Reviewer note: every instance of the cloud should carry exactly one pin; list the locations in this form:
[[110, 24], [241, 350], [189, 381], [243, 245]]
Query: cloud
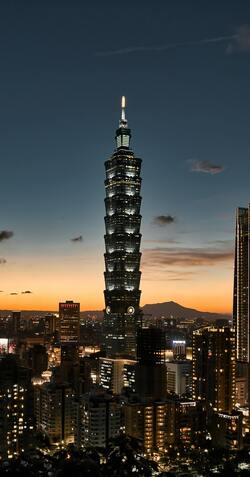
[[5, 235], [168, 240], [14, 293], [1, 291], [163, 220], [2, 261], [26, 292], [205, 166], [77, 239], [185, 257], [241, 41], [169, 46]]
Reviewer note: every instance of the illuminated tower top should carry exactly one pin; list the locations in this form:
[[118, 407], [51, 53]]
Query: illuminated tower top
[[123, 133]]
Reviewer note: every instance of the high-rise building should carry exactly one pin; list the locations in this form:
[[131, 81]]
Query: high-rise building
[[51, 323], [162, 423], [16, 322], [69, 330], [16, 406], [179, 377], [99, 419], [116, 374], [241, 305], [55, 411], [69, 322], [150, 370], [122, 244], [214, 368]]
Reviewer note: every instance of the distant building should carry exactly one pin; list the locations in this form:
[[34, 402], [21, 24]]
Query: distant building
[[16, 322], [213, 370], [115, 374], [179, 348], [37, 359], [179, 377], [51, 322], [69, 322]]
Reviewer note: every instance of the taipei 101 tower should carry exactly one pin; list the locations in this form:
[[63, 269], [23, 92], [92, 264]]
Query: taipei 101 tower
[[122, 244]]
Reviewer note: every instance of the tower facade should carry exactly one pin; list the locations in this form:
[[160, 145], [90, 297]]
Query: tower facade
[[214, 368], [122, 245], [241, 312]]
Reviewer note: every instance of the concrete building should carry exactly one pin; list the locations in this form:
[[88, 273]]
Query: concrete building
[[115, 374], [179, 377], [16, 406], [55, 411], [213, 370], [99, 419]]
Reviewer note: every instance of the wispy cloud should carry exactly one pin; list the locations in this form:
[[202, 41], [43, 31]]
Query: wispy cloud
[[167, 240], [3, 261], [163, 220], [241, 41], [205, 166], [77, 239], [185, 257], [26, 292], [170, 46], [5, 235]]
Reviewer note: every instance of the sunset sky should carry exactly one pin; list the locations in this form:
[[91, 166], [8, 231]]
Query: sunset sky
[[185, 70]]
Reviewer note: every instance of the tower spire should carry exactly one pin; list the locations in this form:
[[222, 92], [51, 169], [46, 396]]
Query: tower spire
[[123, 133], [123, 118], [123, 121]]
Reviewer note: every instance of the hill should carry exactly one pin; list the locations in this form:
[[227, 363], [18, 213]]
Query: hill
[[170, 308]]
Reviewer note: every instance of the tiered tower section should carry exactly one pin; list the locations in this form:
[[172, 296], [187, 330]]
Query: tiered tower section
[[122, 242]]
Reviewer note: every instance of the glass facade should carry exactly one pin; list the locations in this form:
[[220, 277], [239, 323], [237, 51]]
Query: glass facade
[[122, 245]]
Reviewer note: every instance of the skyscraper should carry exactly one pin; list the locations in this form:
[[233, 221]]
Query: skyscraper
[[122, 243], [69, 319], [16, 406], [214, 368], [150, 370], [241, 312]]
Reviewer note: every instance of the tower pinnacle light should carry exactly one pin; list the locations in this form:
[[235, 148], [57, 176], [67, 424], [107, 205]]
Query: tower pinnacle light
[[123, 117]]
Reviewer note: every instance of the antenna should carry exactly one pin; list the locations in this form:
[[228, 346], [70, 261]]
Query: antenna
[[123, 117]]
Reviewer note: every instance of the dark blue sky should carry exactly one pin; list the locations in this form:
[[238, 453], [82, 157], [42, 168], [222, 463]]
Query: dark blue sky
[[188, 107]]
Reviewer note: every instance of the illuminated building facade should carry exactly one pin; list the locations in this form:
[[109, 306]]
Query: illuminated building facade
[[122, 245], [214, 366], [116, 374], [162, 423], [226, 430], [16, 406], [147, 423], [69, 322], [55, 411], [179, 377], [241, 312], [99, 419], [69, 326]]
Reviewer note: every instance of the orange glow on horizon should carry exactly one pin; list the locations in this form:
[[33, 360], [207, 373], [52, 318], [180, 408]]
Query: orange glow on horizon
[[55, 280]]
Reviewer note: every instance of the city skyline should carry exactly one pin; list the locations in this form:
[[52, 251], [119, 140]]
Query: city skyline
[[187, 92]]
